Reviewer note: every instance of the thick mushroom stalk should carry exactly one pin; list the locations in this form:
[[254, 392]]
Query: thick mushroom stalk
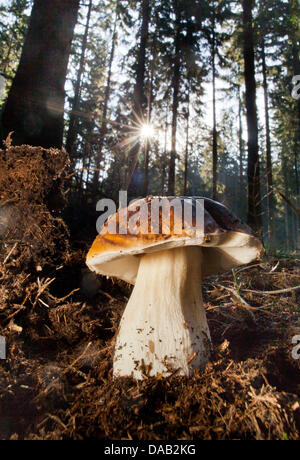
[[164, 328]]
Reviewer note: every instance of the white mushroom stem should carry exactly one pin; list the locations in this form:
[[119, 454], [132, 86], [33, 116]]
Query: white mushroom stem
[[164, 327]]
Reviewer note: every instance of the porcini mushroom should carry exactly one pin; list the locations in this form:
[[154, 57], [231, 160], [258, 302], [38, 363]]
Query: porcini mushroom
[[164, 328]]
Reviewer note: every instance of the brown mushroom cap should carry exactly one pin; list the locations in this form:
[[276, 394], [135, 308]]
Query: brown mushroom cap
[[226, 241]]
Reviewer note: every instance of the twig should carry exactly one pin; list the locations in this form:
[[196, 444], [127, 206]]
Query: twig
[[42, 288], [10, 253], [112, 299], [281, 291], [274, 268], [19, 309], [44, 303], [15, 313], [244, 304], [218, 306], [226, 329], [77, 359], [237, 295], [57, 420], [248, 268], [192, 358], [62, 299]]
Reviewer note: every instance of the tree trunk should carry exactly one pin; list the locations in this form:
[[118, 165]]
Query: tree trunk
[[35, 106], [164, 156], [294, 41], [254, 193], [186, 158], [271, 198], [297, 190], [103, 128], [288, 229], [176, 85], [75, 112], [149, 114], [138, 96], [163, 177], [296, 71], [215, 134], [241, 146], [293, 32]]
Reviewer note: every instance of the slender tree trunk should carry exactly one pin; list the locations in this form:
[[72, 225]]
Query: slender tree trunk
[[35, 106], [146, 168], [241, 145], [215, 134], [297, 191], [176, 85], [75, 112], [254, 193], [103, 128], [297, 182], [163, 177], [295, 230], [139, 97], [294, 41], [149, 114], [164, 156], [186, 158], [296, 71], [271, 198], [287, 209], [287, 228]]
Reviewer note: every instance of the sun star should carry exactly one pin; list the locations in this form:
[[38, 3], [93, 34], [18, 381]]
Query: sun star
[[147, 131]]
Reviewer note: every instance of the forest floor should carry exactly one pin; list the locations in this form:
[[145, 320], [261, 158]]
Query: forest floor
[[60, 321]]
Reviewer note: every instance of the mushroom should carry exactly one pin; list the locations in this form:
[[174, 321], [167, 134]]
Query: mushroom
[[164, 329]]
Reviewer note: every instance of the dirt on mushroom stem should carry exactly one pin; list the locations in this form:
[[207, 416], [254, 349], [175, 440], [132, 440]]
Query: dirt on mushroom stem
[[56, 382]]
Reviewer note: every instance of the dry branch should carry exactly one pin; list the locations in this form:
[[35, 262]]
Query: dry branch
[[280, 291]]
